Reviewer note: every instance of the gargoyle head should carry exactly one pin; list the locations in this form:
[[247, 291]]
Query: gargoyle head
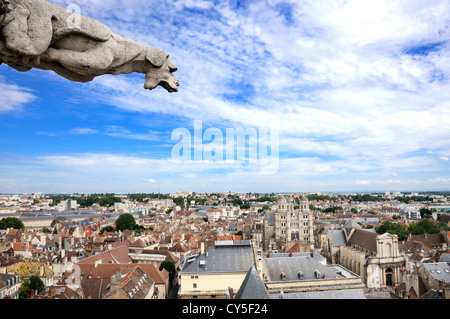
[[161, 72], [9, 11], [3, 5]]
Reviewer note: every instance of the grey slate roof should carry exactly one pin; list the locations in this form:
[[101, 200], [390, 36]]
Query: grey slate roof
[[439, 271], [252, 287], [351, 224], [445, 258], [226, 256], [327, 294], [337, 238], [290, 267], [432, 294], [318, 257]]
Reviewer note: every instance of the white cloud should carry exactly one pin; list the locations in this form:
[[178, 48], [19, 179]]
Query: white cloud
[[14, 97], [123, 173], [439, 180], [83, 131]]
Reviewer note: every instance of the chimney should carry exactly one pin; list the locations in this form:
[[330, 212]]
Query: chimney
[[230, 291]]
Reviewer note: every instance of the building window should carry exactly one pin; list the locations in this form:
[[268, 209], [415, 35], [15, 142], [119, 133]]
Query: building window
[[194, 286]]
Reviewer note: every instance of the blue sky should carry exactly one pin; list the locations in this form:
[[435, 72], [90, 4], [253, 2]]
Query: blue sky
[[359, 91]]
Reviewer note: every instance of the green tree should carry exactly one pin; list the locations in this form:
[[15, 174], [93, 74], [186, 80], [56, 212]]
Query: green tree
[[125, 222], [139, 229], [333, 209], [107, 229], [170, 267], [398, 229], [426, 226], [264, 208], [425, 212], [25, 290], [354, 211], [54, 222], [11, 222], [34, 283]]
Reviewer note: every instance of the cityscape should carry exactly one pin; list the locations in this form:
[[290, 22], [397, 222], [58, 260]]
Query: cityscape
[[227, 156], [188, 245]]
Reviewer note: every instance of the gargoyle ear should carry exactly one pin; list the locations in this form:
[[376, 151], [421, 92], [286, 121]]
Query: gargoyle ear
[[156, 57]]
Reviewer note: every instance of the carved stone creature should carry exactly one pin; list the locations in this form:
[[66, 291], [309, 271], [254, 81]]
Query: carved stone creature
[[35, 34]]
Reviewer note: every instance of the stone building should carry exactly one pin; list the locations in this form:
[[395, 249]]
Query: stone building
[[288, 226], [376, 258], [217, 269]]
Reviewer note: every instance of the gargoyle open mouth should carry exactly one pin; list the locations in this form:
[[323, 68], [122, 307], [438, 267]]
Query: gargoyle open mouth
[[170, 88]]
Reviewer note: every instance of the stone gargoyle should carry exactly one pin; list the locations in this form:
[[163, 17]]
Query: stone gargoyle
[[35, 34]]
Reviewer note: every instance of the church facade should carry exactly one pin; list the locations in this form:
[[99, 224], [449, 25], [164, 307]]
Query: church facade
[[287, 226]]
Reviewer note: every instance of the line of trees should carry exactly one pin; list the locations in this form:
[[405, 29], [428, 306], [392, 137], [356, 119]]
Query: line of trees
[[106, 200], [424, 226]]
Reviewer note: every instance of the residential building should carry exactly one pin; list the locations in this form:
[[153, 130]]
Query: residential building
[[435, 275], [303, 272], [221, 266], [9, 286], [136, 284]]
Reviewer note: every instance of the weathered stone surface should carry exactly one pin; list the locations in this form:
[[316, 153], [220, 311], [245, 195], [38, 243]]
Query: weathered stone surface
[[38, 34]]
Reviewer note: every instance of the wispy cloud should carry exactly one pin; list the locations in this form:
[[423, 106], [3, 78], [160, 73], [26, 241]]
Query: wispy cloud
[[14, 97], [118, 131], [83, 131]]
